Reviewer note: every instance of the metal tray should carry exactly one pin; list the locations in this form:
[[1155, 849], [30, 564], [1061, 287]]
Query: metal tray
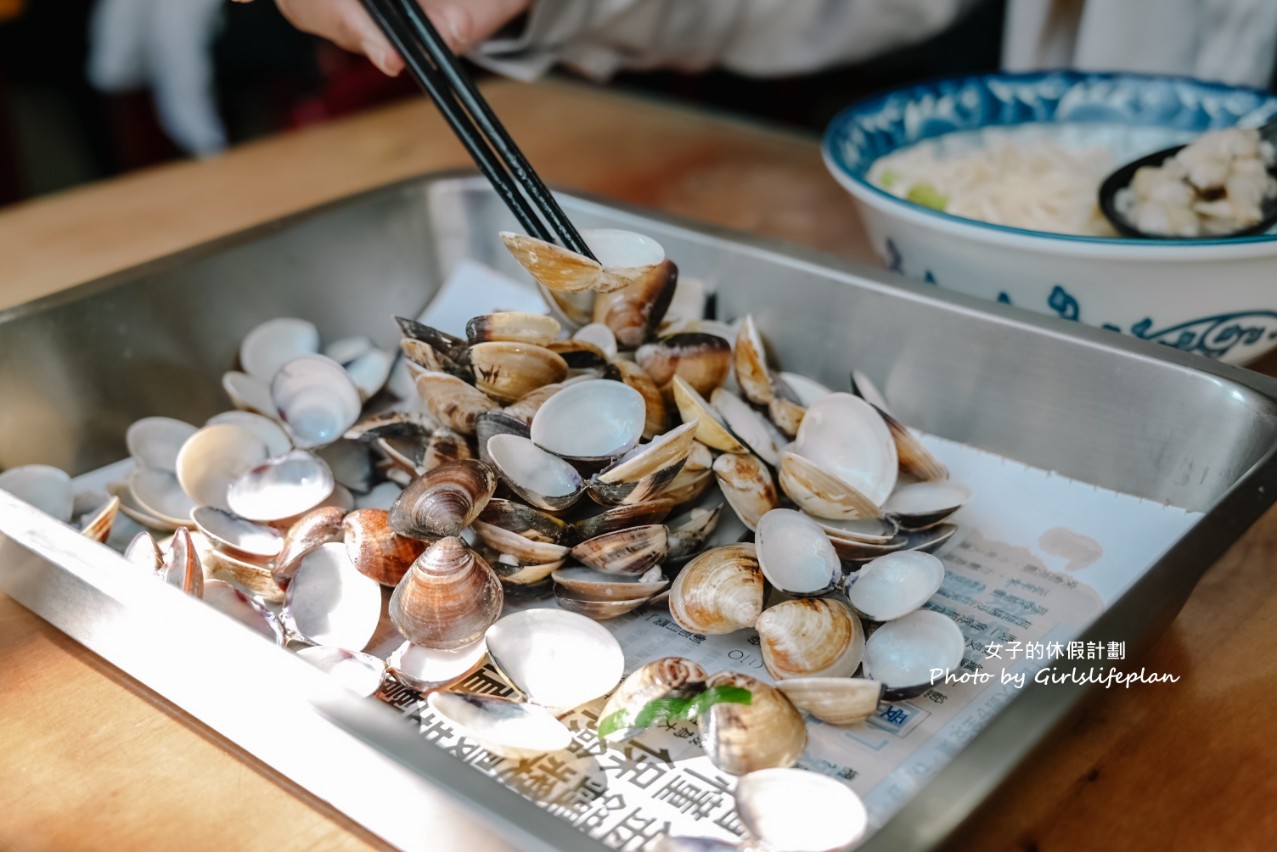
[[78, 367]]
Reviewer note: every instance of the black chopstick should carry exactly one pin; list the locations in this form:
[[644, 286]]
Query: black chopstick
[[438, 71]]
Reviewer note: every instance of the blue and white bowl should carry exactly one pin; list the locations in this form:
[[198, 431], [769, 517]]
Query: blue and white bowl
[[1217, 298]]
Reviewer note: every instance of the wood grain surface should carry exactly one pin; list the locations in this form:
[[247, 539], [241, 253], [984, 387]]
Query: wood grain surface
[[91, 760]]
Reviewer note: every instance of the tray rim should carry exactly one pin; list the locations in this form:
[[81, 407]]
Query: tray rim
[[956, 794]]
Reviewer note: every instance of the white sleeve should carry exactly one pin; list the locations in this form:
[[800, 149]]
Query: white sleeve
[[754, 37]]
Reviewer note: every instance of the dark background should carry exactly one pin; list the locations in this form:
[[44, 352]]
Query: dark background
[[56, 131]]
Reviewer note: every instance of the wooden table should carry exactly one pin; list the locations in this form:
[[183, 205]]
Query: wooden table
[[91, 760]]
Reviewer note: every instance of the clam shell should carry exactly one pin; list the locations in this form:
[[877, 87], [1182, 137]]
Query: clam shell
[[228, 531], [248, 393], [657, 414], [915, 459], [801, 389], [810, 637], [863, 387], [212, 459], [686, 308], [155, 441], [748, 426], [528, 405], [348, 349], [351, 464], [375, 549], [444, 446], [423, 355], [316, 399], [923, 505], [269, 431], [795, 553], [587, 584], [135, 511], [43, 486], [590, 420], [330, 603], [720, 591], [557, 659], [688, 536], [627, 551], [895, 584], [869, 530], [369, 372], [595, 610], [747, 484], [836, 700], [448, 598], [144, 552], [524, 520], [444, 501], [634, 312], [391, 424], [492, 423], [228, 600], [503, 727], [929, 540], [914, 651], [786, 415], [526, 551], [454, 402], [272, 344], [513, 326], [429, 668], [623, 258], [819, 492], [181, 566], [847, 437], [710, 429], [668, 677], [621, 517], [506, 371], [539, 477], [282, 487], [750, 360], [644, 472], [317, 527], [800, 811], [852, 550], [160, 496], [524, 577], [702, 360], [448, 345], [767, 733], [599, 336], [361, 673], [98, 525], [581, 355]]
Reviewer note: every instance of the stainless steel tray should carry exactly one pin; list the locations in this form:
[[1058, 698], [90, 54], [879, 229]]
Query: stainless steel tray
[[77, 368]]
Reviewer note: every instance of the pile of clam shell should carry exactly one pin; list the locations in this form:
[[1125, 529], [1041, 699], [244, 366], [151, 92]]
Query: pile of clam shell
[[544, 456]]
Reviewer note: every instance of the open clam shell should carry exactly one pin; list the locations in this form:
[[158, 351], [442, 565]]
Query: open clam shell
[[361, 673], [155, 441], [272, 344], [316, 399], [895, 584], [645, 471], [43, 486], [929, 540], [819, 492], [689, 532], [513, 326], [213, 458], [800, 811], [249, 393], [531, 578], [854, 550], [375, 549], [525, 551], [526, 521], [181, 565], [636, 377], [444, 501], [668, 677], [506, 370], [710, 429], [624, 257], [448, 345], [344, 350], [528, 405], [587, 584], [766, 733], [795, 554], [282, 487], [394, 423], [848, 438], [452, 401], [700, 359], [430, 668], [557, 659], [591, 420], [505, 728], [748, 426], [539, 477], [750, 360], [595, 609], [308, 533], [621, 517], [98, 524], [369, 372], [914, 652], [747, 484], [922, 505], [269, 431], [627, 551], [836, 700], [810, 637], [493, 423], [160, 496], [720, 591], [864, 387], [144, 552], [599, 336], [329, 602], [241, 536], [915, 459], [448, 598], [225, 598], [634, 312]]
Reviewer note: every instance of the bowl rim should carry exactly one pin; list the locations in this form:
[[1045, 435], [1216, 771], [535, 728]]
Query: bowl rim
[[863, 190]]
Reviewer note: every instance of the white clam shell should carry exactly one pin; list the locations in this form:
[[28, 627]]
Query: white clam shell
[[213, 458], [847, 437], [895, 584], [370, 371], [927, 501], [159, 495], [282, 487], [274, 343], [600, 335], [155, 441], [431, 668], [557, 659], [794, 553], [800, 811], [504, 727], [591, 420], [316, 399], [330, 603], [808, 391], [542, 478], [359, 672], [248, 393], [619, 249], [135, 511], [915, 649], [347, 349], [43, 486], [272, 434], [228, 600], [228, 530], [752, 428]]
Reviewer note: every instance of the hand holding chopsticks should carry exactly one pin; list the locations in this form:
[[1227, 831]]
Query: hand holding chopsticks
[[438, 71]]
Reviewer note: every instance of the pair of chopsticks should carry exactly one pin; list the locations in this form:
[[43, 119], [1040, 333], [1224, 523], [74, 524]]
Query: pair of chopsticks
[[438, 71]]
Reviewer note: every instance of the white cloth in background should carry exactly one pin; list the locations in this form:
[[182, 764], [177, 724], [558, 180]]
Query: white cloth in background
[[164, 45]]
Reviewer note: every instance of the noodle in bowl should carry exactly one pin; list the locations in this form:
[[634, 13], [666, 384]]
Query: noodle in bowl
[[1014, 161]]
